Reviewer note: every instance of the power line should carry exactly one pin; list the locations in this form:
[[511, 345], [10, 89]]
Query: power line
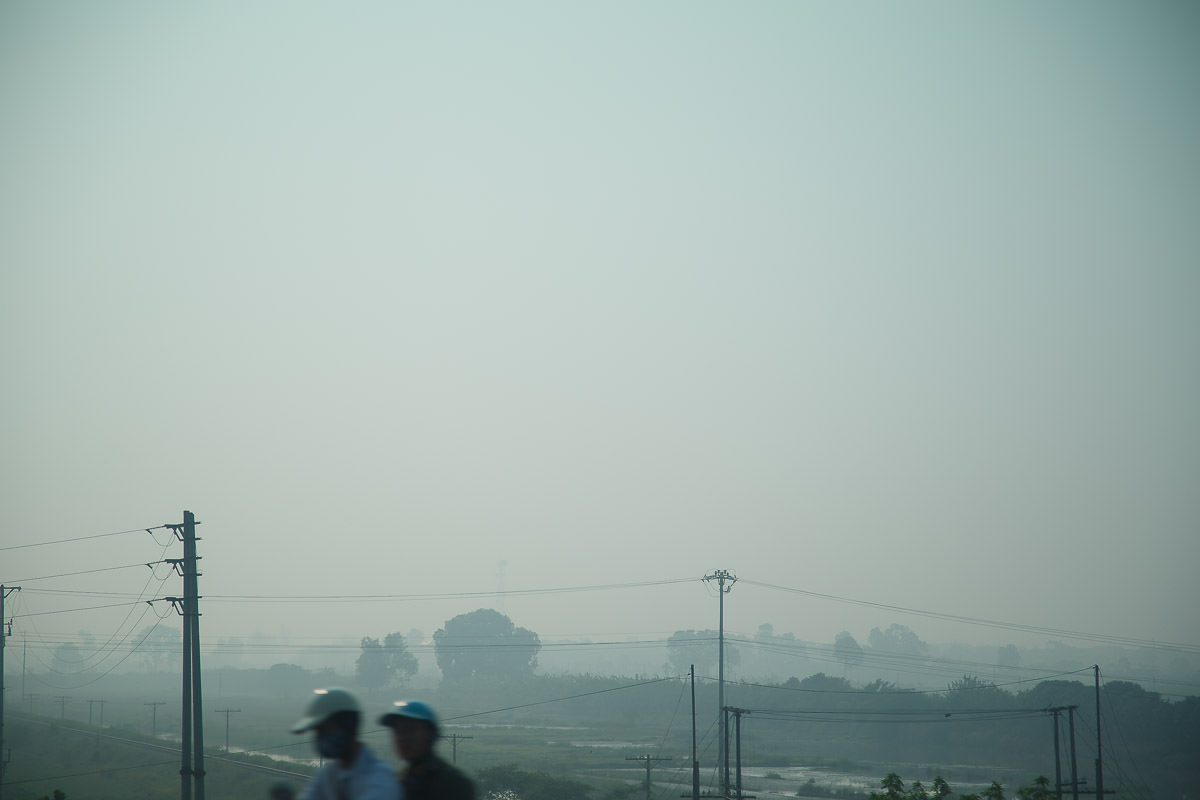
[[893, 712], [1099, 637], [90, 571], [897, 691], [324, 598], [559, 699], [83, 538], [939, 719], [103, 651], [108, 671], [70, 610]]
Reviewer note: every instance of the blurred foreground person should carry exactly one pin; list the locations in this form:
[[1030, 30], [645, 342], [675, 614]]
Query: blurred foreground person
[[351, 771], [427, 776]]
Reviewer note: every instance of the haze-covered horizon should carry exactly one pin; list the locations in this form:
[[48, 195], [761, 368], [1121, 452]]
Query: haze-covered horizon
[[897, 304]]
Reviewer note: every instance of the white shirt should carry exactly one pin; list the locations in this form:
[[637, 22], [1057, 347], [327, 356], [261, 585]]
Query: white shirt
[[368, 778]]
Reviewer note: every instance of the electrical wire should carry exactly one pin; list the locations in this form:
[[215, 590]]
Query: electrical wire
[[83, 538], [943, 720], [61, 656], [71, 610], [100, 652], [895, 712], [110, 669], [902, 692], [682, 691], [1066, 633], [326, 598], [893, 662], [83, 572], [561, 699]]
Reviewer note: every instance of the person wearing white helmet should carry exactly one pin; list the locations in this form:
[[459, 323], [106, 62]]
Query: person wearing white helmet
[[352, 771], [415, 728]]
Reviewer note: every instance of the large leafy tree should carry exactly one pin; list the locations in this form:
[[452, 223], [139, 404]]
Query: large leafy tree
[[382, 664], [485, 644], [897, 639], [972, 688]]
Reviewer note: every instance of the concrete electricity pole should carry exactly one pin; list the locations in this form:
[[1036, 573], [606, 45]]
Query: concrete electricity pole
[[737, 716], [1099, 750], [722, 577], [191, 768], [1071, 733], [1054, 714], [695, 761], [5, 632]]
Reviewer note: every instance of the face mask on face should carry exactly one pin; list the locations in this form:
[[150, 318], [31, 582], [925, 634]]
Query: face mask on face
[[334, 744]]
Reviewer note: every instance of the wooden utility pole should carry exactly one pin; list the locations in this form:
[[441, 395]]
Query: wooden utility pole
[[649, 762]]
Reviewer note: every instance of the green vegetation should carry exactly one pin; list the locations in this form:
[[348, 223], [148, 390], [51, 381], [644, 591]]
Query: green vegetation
[[384, 664], [485, 644], [893, 789], [54, 760], [580, 728], [569, 735]]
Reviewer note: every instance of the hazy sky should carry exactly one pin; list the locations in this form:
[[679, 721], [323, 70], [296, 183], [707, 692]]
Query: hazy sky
[[893, 301]]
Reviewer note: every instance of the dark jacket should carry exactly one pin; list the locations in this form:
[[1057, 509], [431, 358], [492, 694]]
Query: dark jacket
[[432, 778]]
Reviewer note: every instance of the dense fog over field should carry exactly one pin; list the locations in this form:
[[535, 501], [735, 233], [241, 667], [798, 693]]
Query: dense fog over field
[[891, 310]]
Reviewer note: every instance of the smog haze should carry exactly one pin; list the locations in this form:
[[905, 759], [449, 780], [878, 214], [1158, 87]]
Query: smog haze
[[487, 306]]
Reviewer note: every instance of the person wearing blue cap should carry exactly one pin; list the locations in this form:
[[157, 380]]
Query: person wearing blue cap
[[426, 776], [351, 771]]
